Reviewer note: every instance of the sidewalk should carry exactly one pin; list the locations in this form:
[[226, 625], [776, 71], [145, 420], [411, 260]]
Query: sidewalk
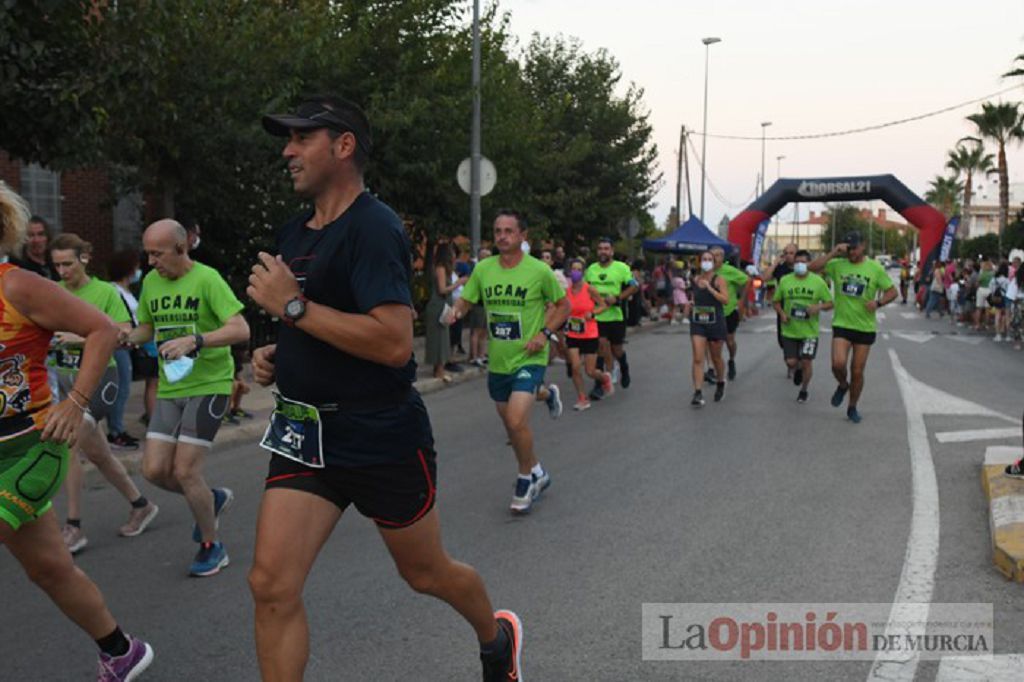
[[260, 401]]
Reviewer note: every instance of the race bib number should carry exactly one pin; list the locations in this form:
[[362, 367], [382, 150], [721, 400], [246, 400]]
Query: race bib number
[[505, 326], [576, 325], [295, 432], [809, 347], [164, 334], [67, 358], [703, 314], [799, 312], [852, 287]]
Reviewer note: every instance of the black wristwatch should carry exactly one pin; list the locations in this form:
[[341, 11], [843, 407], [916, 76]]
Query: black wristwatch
[[294, 310]]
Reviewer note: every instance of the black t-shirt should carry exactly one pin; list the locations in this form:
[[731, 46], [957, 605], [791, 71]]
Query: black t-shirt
[[43, 270], [371, 414]]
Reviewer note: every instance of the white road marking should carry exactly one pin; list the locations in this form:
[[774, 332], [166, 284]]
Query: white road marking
[[917, 580], [1002, 668], [1000, 455], [916, 337], [976, 434]]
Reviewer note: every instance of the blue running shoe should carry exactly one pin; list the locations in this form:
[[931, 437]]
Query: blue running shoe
[[210, 558], [837, 397], [554, 401], [853, 415], [222, 499], [522, 499]]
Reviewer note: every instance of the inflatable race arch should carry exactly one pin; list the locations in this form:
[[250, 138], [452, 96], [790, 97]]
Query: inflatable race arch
[[930, 222]]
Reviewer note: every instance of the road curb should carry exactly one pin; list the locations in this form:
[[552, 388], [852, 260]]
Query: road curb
[[1006, 511], [260, 405]]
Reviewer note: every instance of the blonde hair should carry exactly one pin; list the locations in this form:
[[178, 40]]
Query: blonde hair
[[14, 215]]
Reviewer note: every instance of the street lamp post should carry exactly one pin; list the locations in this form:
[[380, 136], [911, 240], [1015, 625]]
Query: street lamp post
[[764, 127], [708, 42], [778, 175]]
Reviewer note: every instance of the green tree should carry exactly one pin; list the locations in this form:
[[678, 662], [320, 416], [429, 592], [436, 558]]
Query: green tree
[[944, 194], [1003, 124], [966, 161], [595, 161], [50, 79]]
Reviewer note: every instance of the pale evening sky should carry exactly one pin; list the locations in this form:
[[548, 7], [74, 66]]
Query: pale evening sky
[[807, 66]]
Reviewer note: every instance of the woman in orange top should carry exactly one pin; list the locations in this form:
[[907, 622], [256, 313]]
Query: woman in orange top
[[581, 334], [35, 436]]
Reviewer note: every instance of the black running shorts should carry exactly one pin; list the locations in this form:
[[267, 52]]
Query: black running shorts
[[857, 338], [393, 495], [585, 346], [732, 322], [615, 332]]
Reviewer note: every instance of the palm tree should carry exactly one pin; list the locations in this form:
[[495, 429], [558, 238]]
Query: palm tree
[[968, 161], [944, 194], [1001, 123], [1019, 71]]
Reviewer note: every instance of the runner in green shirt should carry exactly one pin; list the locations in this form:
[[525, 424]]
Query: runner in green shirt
[[856, 282], [799, 298], [737, 281], [195, 318], [614, 281], [524, 304], [69, 254]]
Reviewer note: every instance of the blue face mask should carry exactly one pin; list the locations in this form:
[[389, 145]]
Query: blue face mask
[[176, 370], [136, 276], [800, 268]]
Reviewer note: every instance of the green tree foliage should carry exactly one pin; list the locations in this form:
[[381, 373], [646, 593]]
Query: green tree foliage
[[168, 97], [1003, 124]]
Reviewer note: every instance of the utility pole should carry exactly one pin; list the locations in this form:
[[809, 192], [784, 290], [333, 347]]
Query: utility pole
[[679, 174], [686, 169], [474, 164]]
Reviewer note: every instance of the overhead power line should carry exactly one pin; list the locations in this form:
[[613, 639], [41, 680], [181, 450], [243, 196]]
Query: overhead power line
[[853, 131], [714, 190]]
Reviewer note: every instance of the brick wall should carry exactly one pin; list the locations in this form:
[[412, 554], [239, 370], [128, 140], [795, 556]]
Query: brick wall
[[85, 205]]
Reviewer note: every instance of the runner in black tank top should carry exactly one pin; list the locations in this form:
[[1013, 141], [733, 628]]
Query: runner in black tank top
[[707, 326]]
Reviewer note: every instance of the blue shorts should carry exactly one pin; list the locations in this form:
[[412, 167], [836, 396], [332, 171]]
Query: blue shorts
[[526, 379]]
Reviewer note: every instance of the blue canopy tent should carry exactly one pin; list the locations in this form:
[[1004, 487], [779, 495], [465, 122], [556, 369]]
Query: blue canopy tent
[[693, 236]]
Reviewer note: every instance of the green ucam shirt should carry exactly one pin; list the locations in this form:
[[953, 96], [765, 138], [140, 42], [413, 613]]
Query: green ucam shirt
[[515, 301], [854, 284], [198, 302], [796, 294], [102, 295], [735, 279], [610, 281]]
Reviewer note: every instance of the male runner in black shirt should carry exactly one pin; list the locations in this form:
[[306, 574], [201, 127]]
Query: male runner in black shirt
[[349, 428]]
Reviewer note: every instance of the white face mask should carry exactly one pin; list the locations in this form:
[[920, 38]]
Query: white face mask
[[707, 265], [800, 268]]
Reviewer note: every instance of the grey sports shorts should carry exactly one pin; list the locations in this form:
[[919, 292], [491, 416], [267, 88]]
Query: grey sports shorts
[[102, 399], [192, 420]]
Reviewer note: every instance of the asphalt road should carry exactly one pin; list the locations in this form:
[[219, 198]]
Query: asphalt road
[[755, 499]]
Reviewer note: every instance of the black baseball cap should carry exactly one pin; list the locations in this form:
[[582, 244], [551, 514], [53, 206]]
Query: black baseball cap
[[853, 239], [323, 112]]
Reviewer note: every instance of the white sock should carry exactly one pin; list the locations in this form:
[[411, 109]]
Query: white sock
[[537, 470]]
